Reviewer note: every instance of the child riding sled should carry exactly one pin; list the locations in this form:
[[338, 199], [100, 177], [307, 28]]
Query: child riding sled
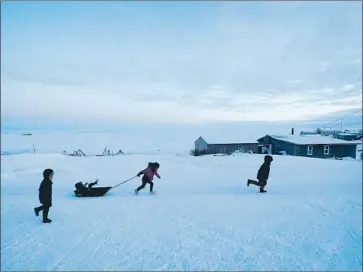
[[82, 189], [148, 175]]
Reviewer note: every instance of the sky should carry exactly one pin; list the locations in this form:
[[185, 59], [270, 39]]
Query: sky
[[179, 62]]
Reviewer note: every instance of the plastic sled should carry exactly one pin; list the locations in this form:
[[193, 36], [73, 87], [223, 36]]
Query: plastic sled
[[92, 192]]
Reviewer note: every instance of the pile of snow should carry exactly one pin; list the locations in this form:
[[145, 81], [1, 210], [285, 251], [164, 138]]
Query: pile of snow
[[203, 216], [242, 153], [348, 159]]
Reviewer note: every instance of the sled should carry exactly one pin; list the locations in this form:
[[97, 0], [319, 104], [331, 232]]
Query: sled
[[92, 192], [83, 191]]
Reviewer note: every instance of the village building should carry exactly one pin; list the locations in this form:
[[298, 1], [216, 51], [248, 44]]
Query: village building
[[309, 146], [225, 146]]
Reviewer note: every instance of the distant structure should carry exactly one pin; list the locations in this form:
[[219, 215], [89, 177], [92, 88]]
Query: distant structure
[[348, 136], [119, 153], [309, 146], [318, 144], [108, 152], [76, 153], [202, 147]]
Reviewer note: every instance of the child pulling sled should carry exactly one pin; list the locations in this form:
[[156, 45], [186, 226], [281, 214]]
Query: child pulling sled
[[262, 175], [148, 175]]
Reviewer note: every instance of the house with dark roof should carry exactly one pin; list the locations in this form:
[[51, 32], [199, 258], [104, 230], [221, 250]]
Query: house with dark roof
[[309, 146]]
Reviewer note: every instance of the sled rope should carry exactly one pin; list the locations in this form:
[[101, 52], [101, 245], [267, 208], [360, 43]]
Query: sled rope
[[123, 182]]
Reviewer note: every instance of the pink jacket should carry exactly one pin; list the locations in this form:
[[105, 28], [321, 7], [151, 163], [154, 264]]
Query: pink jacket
[[149, 173]]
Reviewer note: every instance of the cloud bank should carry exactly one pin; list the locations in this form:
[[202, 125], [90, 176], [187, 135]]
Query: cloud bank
[[180, 62]]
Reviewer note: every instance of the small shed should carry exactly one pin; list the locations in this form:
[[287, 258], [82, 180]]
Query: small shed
[[225, 146], [310, 146]]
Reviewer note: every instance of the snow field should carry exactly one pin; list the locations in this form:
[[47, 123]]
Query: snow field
[[202, 218]]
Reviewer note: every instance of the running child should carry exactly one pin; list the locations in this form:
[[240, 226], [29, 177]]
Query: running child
[[262, 175], [148, 175]]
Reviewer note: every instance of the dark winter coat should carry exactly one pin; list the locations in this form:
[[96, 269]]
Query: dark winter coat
[[45, 188], [264, 172]]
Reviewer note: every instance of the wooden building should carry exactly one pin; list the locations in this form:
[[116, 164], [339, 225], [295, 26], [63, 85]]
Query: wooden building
[[309, 146], [225, 146]]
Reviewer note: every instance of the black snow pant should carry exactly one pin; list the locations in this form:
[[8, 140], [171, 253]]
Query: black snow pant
[[260, 183], [45, 209], [145, 180]]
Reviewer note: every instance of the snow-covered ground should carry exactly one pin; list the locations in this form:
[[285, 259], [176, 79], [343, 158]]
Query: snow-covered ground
[[203, 216]]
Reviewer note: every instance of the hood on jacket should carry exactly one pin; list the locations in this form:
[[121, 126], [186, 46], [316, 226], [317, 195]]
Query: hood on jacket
[[47, 173], [154, 167], [268, 159]]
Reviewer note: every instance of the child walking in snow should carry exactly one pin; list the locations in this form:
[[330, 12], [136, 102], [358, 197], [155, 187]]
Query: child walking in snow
[[149, 174], [45, 195], [262, 175]]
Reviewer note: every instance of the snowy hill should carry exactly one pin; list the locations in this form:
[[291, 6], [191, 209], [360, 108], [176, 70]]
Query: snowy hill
[[202, 218]]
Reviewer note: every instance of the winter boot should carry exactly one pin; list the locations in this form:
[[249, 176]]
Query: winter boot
[[251, 181], [136, 192], [47, 220], [152, 192], [262, 190], [36, 210]]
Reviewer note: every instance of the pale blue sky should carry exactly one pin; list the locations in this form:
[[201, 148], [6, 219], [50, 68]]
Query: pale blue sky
[[180, 62]]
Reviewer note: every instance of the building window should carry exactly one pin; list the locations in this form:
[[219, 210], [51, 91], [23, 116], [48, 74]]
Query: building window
[[326, 149], [310, 150]]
